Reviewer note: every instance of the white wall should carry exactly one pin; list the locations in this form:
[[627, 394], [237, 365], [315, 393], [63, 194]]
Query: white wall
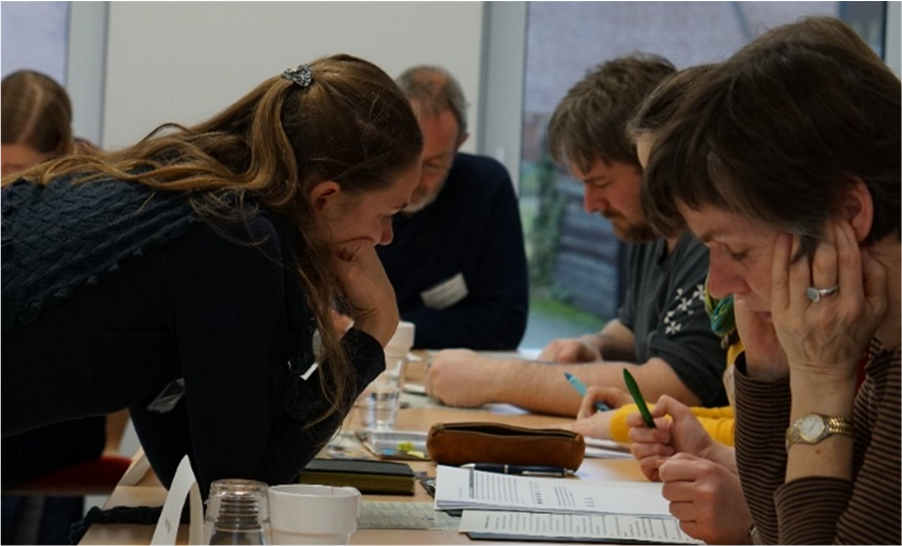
[[184, 61]]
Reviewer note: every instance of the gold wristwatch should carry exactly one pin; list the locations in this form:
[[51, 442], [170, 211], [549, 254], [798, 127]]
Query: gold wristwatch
[[814, 427]]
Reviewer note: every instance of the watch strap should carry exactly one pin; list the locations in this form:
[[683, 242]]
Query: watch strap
[[832, 426]]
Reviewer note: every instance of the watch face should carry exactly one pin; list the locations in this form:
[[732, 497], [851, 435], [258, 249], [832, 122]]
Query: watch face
[[811, 428]]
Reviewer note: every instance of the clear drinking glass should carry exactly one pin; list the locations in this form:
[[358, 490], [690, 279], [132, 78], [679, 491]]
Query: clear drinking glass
[[381, 400], [237, 513]]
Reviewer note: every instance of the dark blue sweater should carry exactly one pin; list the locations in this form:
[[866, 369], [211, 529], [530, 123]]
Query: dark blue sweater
[[472, 229]]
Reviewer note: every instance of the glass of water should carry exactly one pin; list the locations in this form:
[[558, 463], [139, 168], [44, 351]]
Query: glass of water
[[381, 400]]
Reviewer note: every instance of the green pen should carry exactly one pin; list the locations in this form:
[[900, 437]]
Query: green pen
[[638, 398]]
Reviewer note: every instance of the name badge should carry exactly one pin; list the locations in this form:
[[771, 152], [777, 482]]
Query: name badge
[[446, 294]]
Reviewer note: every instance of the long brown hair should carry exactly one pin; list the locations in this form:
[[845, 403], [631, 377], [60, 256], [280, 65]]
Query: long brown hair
[[779, 132], [351, 125]]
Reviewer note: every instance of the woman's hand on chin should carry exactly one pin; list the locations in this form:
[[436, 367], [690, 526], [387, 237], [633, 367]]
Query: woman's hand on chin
[[367, 289], [764, 357]]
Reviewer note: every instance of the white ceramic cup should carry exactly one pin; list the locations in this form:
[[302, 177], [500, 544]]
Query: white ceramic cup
[[313, 514]]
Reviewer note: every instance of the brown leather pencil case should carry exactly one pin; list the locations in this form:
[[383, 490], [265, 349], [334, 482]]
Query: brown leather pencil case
[[484, 442]]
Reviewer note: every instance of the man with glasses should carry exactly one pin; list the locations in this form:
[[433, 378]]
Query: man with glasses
[[457, 261]]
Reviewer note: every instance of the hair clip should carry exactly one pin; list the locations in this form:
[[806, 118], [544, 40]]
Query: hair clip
[[300, 75]]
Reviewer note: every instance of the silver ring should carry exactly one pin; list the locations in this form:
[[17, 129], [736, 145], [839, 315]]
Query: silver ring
[[815, 294]]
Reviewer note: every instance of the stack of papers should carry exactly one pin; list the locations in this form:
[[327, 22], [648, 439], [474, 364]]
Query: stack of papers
[[617, 528], [509, 507], [459, 488]]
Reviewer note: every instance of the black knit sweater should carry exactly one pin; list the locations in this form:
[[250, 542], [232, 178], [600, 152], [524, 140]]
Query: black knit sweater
[[112, 291]]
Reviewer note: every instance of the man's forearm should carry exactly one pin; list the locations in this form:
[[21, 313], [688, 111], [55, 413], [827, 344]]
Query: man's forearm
[[537, 387], [542, 388]]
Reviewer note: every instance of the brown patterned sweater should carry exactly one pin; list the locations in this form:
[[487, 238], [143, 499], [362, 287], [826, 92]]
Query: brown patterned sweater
[[865, 510]]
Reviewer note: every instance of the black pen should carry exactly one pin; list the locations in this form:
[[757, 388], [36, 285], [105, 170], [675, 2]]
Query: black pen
[[549, 471]]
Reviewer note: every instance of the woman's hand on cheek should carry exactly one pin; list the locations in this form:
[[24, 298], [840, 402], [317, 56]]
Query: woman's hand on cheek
[[764, 357], [826, 338], [367, 289]]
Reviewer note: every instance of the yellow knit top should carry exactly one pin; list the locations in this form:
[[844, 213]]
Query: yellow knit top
[[718, 422]]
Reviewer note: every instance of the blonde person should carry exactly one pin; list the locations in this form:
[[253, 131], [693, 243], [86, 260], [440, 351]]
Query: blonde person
[[702, 493], [191, 277], [718, 422]]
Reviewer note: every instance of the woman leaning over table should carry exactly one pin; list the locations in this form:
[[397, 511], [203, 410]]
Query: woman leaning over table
[[785, 161], [204, 262]]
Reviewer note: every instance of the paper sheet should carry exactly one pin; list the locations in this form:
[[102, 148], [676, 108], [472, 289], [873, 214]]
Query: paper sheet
[[573, 527], [461, 488], [184, 484]]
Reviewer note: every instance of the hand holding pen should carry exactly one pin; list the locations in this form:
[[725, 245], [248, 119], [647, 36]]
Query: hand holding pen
[[579, 387], [680, 433]]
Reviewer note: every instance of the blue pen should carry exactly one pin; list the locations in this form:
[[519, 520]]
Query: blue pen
[[581, 389]]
